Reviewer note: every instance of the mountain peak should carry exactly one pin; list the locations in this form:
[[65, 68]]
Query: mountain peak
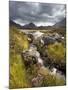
[[32, 24], [29, 26]]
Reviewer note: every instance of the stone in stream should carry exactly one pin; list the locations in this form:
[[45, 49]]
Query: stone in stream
[[57, 37], [53, 71], [37, 34], [37, 81], [57, 73], [62, 38], [48, 40], [32, 52], [30, 38], [51, 39]]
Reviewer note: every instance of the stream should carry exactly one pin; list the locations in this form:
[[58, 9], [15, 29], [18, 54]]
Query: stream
[[32, 51]]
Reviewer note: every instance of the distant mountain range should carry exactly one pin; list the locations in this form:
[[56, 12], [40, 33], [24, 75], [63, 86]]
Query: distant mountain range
[[61, 23], [33, 26]]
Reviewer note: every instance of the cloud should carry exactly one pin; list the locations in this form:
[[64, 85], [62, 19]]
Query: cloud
[[38, 13]]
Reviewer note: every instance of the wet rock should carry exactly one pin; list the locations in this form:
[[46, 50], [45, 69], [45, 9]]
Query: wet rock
[[30, 38], [37, 81], [48, 40], [56, 36], [37, 34], [53, 71]]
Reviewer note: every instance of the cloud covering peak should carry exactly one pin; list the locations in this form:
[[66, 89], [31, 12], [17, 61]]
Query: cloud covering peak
[[38, 13]]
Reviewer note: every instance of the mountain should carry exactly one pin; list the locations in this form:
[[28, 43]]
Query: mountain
[[12, 23], [33, 26], [62, 23], [29, 26]]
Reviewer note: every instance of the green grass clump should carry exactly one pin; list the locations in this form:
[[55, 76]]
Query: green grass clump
[[18, 73], [57, 52], [18, 40], [18, 43], [53, 80]]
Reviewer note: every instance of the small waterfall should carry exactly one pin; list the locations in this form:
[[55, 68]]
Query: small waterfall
[[53, 71], [40, 61]]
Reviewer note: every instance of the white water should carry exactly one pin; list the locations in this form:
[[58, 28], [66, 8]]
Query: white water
[[33, 52], [37, 34], [40, 61], [54, 71]]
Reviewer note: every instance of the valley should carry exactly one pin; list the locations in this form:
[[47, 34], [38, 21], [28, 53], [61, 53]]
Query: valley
[[36, 59]]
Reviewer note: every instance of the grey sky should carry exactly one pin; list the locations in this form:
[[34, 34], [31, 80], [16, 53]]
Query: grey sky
[[38, 13]]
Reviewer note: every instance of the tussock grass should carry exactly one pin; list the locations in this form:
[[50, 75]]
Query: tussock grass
[[57, 52], [18, 75]]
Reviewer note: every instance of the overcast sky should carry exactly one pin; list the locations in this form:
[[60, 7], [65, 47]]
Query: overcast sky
[[38, 13]]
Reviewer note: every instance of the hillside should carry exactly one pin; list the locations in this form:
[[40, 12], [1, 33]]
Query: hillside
[[12, 23], [62, 24], [29, 26]]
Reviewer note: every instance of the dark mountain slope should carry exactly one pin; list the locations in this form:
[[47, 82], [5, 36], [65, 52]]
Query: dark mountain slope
[[12, 23], [30, 26], [62, 23]]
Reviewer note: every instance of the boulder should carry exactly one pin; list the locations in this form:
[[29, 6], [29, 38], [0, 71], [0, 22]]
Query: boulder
[[37, 34], [48, 40]]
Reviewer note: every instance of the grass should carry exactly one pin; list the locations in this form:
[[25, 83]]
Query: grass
[[18, 75], [51, 80], [18, 39], [57, 52]]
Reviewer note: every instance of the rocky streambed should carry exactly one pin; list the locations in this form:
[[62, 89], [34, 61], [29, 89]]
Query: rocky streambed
[[33, 56]]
